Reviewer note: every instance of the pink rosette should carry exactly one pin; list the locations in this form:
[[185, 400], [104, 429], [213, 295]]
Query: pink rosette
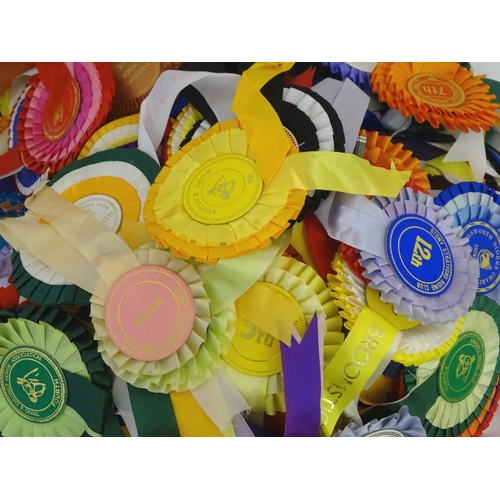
[[456, 300]]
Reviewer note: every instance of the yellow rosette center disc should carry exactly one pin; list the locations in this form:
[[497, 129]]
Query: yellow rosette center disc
[[222, 190], [437, 90]]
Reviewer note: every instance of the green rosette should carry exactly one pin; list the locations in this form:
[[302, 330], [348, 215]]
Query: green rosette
[[53, 382], [454, 395], [45, 294]]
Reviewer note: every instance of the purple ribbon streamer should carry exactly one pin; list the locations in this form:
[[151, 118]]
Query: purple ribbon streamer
[[302, 377]]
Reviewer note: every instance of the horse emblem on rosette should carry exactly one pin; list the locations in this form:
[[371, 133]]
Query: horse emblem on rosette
[[484, 258], [464, 366], [222, 188], [32, 386]]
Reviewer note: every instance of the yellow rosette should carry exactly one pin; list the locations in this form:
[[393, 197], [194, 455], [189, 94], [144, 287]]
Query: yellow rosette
[[209, 200], [441, 93], [419, 343], [253, 361]]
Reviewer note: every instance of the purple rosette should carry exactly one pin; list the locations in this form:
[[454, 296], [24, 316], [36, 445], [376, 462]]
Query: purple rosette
[[5, 263], [451, 297], [401, 424], [343, 71]]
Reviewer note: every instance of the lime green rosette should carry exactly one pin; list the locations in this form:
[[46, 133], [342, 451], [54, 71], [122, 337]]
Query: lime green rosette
[[53, 382]]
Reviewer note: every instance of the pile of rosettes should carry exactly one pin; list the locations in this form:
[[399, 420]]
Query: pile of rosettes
[[249, 250]]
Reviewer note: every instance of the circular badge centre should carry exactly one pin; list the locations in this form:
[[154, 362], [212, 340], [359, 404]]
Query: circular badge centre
[[254, 351], [103, 208], [437, 90], [222, 190], [461, 368], [149, 313], [33, 384], [134, 79], [419, 255], [61, 109], [485, 243]]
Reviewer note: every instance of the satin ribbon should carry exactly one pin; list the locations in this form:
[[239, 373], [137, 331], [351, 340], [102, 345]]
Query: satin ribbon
[[266, 136], [361, 354], [260, 298], [302, 377], [354, 220]]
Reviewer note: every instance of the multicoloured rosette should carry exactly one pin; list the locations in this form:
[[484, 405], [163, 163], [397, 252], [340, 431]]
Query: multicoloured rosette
[[55, 124], [14, 118], [253, 361], [155, 329], [209, 200], [441, 93], [457, 397], [113, 186], [380, 151], [401, 424], [121, 133], [52, 379], [419, 343], [476, 208], [344, 70], [427, 272]]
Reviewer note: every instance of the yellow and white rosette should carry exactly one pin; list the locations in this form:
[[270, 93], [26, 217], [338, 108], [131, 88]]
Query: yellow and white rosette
[[419, 343], [253, 362]]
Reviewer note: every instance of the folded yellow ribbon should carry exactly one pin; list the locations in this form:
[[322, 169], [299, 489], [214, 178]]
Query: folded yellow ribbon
[[259, 119]]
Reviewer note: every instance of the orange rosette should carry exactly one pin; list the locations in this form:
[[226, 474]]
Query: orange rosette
[[209, 201], [441, 93], [380, 151]]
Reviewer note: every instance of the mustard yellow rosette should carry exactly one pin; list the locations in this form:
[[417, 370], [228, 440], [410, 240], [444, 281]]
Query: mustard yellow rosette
[[196, 360], [419, 343], [209, 200], [254, 361], [441, 93]]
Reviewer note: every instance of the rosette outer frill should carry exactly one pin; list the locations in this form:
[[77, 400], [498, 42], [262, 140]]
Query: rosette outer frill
[[476, 209], [458, 397], [402, 424], [52, 380]]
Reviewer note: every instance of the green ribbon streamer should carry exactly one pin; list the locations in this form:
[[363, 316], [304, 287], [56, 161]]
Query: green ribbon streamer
[[153, 412]]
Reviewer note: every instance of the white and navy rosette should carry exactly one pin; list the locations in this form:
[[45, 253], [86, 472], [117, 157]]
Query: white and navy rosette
[[427, 272], [475, 208], [401, 424]]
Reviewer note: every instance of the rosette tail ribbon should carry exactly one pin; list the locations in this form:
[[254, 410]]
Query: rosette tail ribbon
[[302, 373]]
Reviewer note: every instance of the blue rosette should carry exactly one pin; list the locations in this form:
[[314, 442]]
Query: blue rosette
[[475, 207], [401, 424], [427, 273]]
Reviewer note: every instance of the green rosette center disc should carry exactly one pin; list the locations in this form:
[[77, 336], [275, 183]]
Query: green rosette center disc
[[33, 384]]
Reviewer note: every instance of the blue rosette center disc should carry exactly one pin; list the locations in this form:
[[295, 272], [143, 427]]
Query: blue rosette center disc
[[420, 255]]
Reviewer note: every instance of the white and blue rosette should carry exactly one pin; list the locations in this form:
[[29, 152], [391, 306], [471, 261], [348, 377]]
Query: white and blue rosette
[[475, 208], [401, 424]]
